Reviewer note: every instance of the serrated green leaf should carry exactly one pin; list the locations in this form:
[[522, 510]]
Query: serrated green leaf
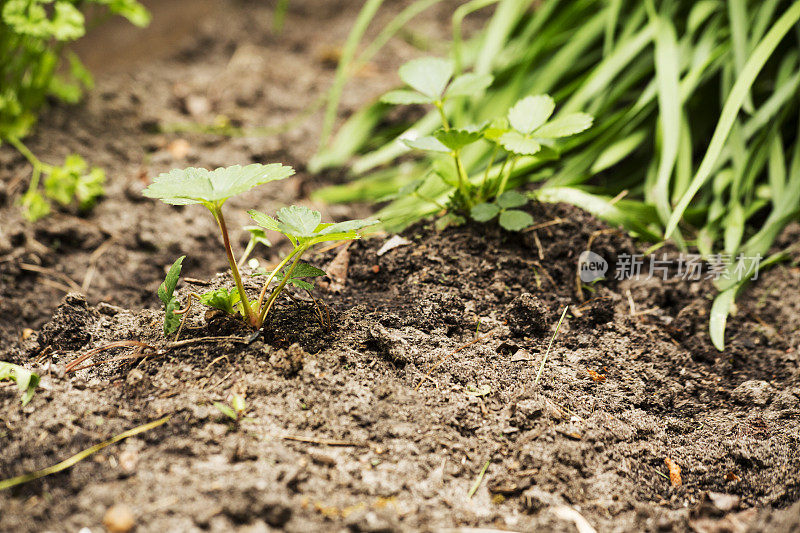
[[405, 97], [167, 287], [516, 143], [304, 270], [510, 199], [484, 212], [565, 126], [221, 299], [428, 75], [263, 220], [515, 220], [531, 112], [198, 185], [456, 139], [469, 84], [298, 220], [347, 226], [427, 143]]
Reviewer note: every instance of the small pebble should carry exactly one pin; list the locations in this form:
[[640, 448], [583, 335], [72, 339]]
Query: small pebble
[[119, 519]]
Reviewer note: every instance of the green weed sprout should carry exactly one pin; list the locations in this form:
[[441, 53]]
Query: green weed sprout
[[71, 183], [526, 131], [301, 225], [235, 411], [27, 381]]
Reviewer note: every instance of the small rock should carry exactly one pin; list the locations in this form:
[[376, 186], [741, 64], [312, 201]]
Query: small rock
[[288, 362], [135, 376], [119, 519], [179, 148], [753, 392], [527, 316], [391, 343], [371, 522]]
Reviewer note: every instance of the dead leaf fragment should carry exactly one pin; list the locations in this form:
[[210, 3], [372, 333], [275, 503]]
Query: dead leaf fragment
[[337, 270], [395, 242], [674, 472], [596, 377]]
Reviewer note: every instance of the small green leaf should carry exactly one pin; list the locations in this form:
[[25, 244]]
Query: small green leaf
[[428, 75], [484, 212], [510, 199], [165, 294], [263, 220], [89, 187], [456, 139], [27, 381], [200, 186], [166, 288], [347, 226], [258, 235], [565, 126], [427, 143], [238, 404], [469, 84], [298, 220], [34, 206], [515, 220], [226, 410], [405, 97], [221, 299], [720, 310], [516, 143], [496, 129], [531, 112]]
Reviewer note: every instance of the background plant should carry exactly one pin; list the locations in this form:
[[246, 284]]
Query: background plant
[[696, 106], [35, 66], [303, 227]]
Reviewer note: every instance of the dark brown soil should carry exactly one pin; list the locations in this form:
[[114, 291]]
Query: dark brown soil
[[383, 420]]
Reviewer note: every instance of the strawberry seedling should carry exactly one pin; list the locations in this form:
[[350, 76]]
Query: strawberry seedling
[[302, 226], [526, 131]]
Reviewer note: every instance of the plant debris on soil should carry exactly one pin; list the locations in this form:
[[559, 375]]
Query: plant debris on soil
[[385, 416]]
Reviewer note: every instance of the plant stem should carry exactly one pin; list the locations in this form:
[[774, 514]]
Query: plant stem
[[36, 163], [247, 251], [463, 180], [504, 181], [271, 277], [488, 168], [279, 288], [445, 123], [251, 317]]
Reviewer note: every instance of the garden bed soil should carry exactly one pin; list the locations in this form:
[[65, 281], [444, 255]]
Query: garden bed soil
[[424, 371]]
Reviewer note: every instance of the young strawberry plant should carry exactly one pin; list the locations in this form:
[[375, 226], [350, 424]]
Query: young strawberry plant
[[526, 131], [68, 184], [34, 69], [303, 227]]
